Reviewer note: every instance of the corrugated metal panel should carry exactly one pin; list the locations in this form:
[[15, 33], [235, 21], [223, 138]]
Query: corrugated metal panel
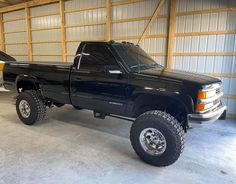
[[15, 37], [46, 35], [72, 47], [160, 26], [152, 45], [191, 5], [21, 58], [70, 59], [47, 58], [206, 64], [13, 15], [16, 25], [40, 10], [160, 60], [53, 48], [128, 28], [231, 105], [207, 43], [136, 28], [85, 17], [16, 49], [205, 22], [75, 4], [135, 10], [87, 32], [44, 22]]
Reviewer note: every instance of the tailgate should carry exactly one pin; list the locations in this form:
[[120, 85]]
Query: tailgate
[[1, 65], [1, 69]]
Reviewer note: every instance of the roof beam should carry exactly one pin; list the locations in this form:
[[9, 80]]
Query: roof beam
[[6, 2], [108, 20], [153, 18], [63, 30], [26, 5], [171, 34], [29, 34], [2, 36]]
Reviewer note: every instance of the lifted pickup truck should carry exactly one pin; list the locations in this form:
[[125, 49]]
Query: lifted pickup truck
[[121, 80]]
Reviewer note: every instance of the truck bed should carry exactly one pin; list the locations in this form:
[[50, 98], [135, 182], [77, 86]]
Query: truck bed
[[53, 77]]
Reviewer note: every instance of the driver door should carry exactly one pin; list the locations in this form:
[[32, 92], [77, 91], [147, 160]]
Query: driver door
[[99, 83]]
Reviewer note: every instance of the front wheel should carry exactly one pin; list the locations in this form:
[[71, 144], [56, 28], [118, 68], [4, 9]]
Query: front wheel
[[157, 138], [30, 107]]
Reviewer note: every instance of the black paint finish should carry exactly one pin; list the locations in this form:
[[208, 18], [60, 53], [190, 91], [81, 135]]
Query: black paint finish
[[99, 89]]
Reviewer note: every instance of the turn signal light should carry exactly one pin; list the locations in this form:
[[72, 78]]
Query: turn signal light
[[206, 94], [200, 107], [202, 94]]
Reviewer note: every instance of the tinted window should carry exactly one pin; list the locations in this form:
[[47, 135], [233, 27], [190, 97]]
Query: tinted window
[[96, 57], [134, 57]]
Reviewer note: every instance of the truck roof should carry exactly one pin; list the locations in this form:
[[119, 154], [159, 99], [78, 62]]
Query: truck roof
[[109, 42]]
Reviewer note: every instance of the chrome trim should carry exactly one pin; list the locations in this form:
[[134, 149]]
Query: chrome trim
[[213, 107], [209, 116], [211, 87], [212, 99], [115, 103]]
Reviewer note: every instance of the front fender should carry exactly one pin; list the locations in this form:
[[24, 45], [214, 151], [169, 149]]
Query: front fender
[[161, 101]]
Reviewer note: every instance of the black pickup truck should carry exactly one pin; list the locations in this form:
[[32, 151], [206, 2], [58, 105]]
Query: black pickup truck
[[121, 80]]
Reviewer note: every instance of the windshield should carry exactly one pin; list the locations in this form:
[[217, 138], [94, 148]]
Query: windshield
[[134, 57]]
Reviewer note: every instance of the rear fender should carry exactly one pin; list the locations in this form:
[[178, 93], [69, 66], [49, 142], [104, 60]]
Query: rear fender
[[32, 81]]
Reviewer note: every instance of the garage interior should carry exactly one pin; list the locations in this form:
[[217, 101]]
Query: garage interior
[[71, 146]]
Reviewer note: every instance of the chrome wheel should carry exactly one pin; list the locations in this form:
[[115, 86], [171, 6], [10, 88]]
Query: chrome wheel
[[24, 108], [152, 141]]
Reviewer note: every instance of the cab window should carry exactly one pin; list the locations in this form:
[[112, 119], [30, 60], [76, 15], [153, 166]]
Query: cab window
[[96, 57]]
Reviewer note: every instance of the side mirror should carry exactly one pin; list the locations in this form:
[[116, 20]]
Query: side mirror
[[113, 69]]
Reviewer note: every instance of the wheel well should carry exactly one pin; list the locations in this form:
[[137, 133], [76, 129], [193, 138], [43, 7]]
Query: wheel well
[[26, 85], [164, 103]]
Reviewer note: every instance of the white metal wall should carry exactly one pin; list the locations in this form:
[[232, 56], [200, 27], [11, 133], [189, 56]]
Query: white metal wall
[[85, 20], [213, 43], [15, 34], [83, 24], [45, 32], [125, 29]]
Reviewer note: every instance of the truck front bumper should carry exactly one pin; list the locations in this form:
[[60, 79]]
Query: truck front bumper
[[210, 116]]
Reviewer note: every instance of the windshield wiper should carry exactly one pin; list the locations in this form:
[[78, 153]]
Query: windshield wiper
[[156, 65]]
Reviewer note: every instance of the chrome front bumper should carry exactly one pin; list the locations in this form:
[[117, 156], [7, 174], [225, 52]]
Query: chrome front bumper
[[208, 117]]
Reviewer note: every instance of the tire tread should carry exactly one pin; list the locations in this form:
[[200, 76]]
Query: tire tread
[[173, 125]]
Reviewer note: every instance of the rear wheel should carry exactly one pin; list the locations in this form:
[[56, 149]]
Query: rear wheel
[[30, 107], [157, 138]]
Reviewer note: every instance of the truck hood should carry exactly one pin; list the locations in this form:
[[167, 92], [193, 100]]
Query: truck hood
[[179, 75]]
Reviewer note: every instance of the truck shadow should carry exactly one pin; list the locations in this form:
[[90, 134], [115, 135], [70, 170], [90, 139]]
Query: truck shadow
[[85, 119]]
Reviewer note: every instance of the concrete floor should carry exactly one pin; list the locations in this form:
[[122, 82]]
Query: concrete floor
[[72, 147]]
